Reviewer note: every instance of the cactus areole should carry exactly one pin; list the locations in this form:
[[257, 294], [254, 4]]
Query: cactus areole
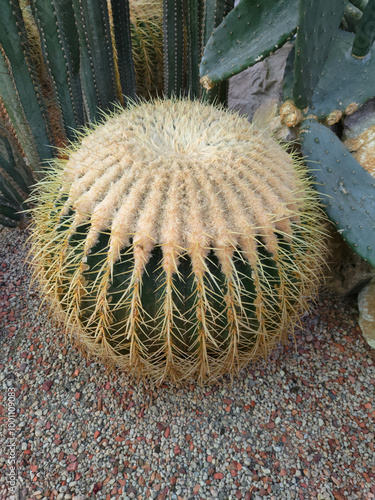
[[178, 241]]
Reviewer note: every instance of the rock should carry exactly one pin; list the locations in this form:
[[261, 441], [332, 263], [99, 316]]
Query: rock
[[72, 467], [347, 273], [47, 385], [366, 306], [359, 121], [249, 89], [362, 148], [359, 135], [261, 87]]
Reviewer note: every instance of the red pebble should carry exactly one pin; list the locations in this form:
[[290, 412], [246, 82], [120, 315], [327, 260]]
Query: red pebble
[[47, 385], [72, 467]]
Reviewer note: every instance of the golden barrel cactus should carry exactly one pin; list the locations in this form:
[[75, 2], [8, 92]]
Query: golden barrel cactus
[[177, 241]]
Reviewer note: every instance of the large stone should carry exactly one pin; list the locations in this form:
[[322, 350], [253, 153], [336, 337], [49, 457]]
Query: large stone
[[261, 86], [346, 273], [359, 121], [359, 135], [249, 89], [366, 305], [362, 148]]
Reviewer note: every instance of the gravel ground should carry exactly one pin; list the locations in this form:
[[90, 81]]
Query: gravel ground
[[298, 426]]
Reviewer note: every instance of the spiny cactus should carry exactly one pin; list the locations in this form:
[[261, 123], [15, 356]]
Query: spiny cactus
[[329, 74], [13, 182], [146, 18], [250, 32], [347, 188], [63, 63], [177, 241]]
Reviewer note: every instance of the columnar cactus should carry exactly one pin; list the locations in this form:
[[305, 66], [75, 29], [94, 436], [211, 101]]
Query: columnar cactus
[[177, 241], [146, 23]]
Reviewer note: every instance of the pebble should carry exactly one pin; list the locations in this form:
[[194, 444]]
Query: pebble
[[299, 425]]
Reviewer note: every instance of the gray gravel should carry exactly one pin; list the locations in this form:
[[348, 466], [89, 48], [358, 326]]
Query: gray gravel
[[298, 426]]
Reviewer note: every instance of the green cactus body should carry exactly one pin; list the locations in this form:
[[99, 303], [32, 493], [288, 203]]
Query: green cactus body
[[365, 31], [119, 17], [59, 41], [248, 34], [19, 89], [178, 241], [330, 94], [348, 191], [318, 23], [146, 24], [13, 183]]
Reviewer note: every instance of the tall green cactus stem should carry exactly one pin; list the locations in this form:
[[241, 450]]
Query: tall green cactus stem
[[365, 33], [173, 39], [120, 15], [11, 194], [193, 31], [213, 14], [187, 25], [34, 41], [177, 241], [15, 174], [348, 191], [97, 62], [18, 168], [318, 24], [16, 114], [352, 17], [146, 25], [19, 88], [59, 40], [248, 34]]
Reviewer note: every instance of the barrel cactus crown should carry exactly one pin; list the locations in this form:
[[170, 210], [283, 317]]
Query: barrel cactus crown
[[178, 241]]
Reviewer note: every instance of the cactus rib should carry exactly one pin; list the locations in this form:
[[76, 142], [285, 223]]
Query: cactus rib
[[97, 62], [213, 14], [121, 24], [173, 38], [59, 39]]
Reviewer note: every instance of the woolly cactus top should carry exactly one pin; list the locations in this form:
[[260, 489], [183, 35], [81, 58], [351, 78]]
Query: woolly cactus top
[[185, 176]]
